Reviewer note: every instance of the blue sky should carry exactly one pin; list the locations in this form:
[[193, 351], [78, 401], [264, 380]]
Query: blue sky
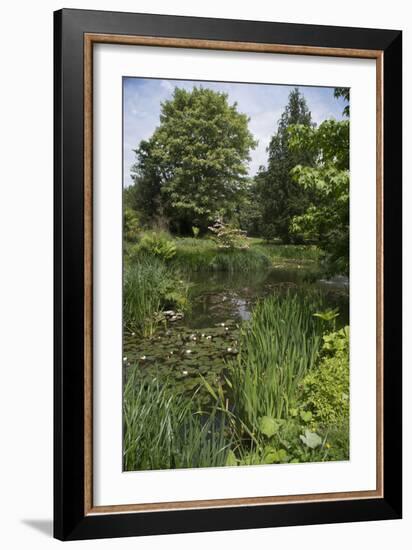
[[263, 103]]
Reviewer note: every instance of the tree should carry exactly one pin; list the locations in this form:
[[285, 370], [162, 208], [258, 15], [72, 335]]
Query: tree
[[327, 217], [194, 166], [280, 196], [345, 93]]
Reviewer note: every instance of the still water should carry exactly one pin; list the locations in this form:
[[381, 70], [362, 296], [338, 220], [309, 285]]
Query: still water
[[208, 336]]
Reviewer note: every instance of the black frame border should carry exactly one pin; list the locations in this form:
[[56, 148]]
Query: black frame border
[[70, 522]]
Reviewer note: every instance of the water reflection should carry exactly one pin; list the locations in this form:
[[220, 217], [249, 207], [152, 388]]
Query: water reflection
[[218, 296]]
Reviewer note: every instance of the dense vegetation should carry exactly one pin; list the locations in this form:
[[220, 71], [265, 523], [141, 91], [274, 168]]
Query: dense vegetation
[[268, 388]]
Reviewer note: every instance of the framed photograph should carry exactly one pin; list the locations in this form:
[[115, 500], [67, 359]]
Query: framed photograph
[[227, 274]]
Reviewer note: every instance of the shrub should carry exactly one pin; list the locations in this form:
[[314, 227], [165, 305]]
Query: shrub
[[131, 225], [325, 390], [156, 243], [226, 236]]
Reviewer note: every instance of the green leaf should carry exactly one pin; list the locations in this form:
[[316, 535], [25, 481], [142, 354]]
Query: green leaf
[[270, 456], [268, 426], [306, 416], [208, 387], [311, 439], [231, 459], [282, 455]]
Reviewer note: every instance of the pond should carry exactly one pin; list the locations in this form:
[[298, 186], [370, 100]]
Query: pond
[[207, 337]]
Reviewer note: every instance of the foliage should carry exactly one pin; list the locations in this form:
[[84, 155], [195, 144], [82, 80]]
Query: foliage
[[326, 219], [148, 287], [144, 195], [326, 388], [345, 94], [194, 255], [281, 198], [277, 348], [303, 253], [130, 225], [228, 237], [164, 430], [193, 167], [156, 243], [180, 355], [248, 211]]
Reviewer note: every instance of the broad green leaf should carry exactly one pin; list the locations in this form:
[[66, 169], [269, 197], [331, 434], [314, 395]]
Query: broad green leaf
[[306, 416], [311, 439], [268, 426]]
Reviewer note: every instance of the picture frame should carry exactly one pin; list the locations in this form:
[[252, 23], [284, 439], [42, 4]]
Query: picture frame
[[76, 32]]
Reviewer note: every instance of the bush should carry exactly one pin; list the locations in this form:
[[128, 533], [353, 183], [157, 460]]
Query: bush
[[131, 225], [156, 243], [326, 388], [228, 237]]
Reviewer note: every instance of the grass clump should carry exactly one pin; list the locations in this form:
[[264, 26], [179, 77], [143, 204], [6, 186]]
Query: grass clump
[[278, 347], [164, 430], [206, 255], [149, 286], [288, 251]]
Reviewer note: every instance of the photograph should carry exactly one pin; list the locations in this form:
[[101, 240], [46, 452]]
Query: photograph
[[235, 274], [227, 273]]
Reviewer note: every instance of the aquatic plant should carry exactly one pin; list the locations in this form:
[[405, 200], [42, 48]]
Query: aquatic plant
[[278, 347], [164, 430], [148, 287]]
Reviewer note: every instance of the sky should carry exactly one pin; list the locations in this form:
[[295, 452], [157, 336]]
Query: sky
[[263, 103]]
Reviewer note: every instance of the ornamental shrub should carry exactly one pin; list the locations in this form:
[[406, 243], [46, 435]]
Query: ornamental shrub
[[326, 388]]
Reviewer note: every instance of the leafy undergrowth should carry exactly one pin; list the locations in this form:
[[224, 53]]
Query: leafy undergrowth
[[150, 286], [205, 255], [283, 399]]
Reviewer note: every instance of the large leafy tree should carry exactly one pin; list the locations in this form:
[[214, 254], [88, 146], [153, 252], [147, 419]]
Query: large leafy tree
[[280, 196], [326, 219], [193, 168]]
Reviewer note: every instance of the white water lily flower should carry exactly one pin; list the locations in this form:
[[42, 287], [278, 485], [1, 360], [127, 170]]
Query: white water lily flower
[[143, 357], [185, 373], [188, 351], [124, 358]]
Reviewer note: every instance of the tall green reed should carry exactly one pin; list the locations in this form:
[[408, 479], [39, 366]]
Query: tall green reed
[[278, 346], [150, 285], [164, 430]]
